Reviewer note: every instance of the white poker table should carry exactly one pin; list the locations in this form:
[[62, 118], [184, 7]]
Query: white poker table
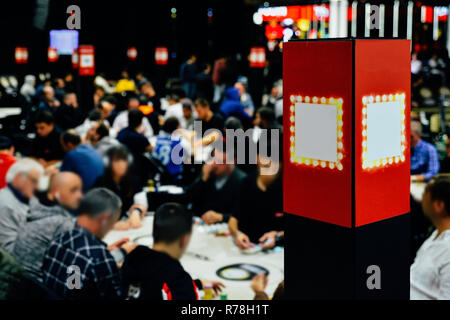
[[207, 253]]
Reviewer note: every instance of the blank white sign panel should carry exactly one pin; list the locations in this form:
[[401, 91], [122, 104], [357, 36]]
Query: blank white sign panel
[[316, 131], [384, 131]]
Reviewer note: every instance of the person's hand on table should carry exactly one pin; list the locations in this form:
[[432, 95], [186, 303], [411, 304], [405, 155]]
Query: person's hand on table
[[140, 207], [259, 282], [418, 178], [217, 286], [211, 217], [122, 225], [123, 243], [118, 244], [242, 241], [135, 219], [268, 240], [129, 246]]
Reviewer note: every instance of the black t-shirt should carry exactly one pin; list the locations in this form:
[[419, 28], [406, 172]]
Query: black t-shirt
[[205, 196], [147, 273], [68, 117], [137, 143], [259, 211], [216, 122], [49, 147]]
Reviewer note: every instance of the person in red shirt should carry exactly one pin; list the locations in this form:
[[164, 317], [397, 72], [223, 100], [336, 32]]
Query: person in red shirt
[[7, 158]]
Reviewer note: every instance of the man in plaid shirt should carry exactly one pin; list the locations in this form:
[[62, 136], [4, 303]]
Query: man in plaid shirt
[[77, 264]]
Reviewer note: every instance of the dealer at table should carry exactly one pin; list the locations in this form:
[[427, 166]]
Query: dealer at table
[[258, 216]]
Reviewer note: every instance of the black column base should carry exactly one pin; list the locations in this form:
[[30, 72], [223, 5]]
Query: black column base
[[326, 261]]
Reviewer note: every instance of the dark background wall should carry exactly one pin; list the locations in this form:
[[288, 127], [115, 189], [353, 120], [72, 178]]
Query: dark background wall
[[114, 26]]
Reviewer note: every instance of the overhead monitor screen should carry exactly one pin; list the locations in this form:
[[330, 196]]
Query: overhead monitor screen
[[65, 41]]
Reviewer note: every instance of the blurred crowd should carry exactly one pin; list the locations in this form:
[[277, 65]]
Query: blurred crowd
[[69, 175]]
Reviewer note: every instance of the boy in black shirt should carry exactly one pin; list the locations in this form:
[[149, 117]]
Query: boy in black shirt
[[156, 274], [47, 145]]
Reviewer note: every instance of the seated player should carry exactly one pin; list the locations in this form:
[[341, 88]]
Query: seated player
[[132, 135], [117, 179], [157, 274], [77, 264], [424, 156], [47, 148], [216, 191], [430, 272], [171, 147], [22, 181], [209, 121], [100, 139], [47, 218], [257, 218], [81, 159], [121, 122]]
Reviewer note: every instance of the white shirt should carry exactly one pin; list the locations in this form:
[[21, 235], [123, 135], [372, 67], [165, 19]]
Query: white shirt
[[176, 110], [121, 122], [430, 272]]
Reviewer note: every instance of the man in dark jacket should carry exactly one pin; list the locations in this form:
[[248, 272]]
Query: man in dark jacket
[[215, 192]]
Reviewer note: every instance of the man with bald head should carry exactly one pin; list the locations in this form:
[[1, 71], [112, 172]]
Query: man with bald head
[[48, 218]]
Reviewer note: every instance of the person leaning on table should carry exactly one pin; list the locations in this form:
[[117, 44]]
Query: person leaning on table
[[98, 274], [258, 217], [430, 272]]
